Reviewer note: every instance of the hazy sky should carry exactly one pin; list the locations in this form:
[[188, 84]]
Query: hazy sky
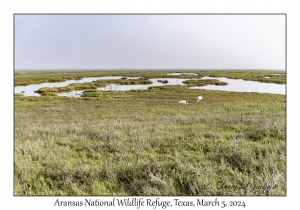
[[149, 41]]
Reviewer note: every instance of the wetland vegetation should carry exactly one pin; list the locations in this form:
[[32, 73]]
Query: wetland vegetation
[[204, 82], [141, 142], [23, 78]]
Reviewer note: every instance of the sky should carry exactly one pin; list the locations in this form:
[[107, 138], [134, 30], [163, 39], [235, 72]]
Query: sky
[[198, 41]]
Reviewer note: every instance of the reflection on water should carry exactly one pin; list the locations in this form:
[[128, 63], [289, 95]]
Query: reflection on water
[[29, 89], [75, 93], [237, 85], [176, 74]]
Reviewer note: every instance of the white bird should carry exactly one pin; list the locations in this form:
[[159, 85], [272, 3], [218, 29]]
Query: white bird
[[199, 98], [182, 102]]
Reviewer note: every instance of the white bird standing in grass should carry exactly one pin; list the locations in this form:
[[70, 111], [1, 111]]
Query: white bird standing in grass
[[182, 102], [199, 98]]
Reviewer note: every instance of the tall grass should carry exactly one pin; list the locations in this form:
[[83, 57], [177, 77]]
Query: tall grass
[[144, 143]]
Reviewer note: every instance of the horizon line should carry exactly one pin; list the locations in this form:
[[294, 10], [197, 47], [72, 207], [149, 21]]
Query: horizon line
[[101, 69]]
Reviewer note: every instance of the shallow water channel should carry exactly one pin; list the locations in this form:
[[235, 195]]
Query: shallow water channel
[[240, 85], [237, 85], [29, 89]]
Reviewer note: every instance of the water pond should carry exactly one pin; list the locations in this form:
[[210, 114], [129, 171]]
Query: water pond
[[29, 89], [118, 87], [240, 85], [237, 85], [176, 74]]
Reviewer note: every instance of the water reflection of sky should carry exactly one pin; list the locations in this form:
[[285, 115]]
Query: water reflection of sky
[[29, 89], [237, 85], [171, 81], [176, 74]]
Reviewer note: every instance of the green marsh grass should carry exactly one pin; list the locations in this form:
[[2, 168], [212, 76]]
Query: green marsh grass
[[142, 142], [204, 82]]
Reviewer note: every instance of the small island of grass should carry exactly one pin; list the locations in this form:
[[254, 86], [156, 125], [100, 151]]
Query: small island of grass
[[204, 82]]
